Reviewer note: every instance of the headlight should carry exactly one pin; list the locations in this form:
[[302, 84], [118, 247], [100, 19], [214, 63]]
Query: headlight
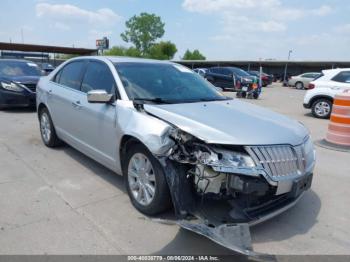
[[226, 158], [11, 86], [310, 153]]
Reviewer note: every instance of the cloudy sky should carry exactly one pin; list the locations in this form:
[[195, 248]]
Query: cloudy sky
[[220, 29]]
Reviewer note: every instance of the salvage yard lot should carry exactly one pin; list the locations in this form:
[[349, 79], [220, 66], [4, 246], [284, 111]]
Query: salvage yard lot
[[61, 202]]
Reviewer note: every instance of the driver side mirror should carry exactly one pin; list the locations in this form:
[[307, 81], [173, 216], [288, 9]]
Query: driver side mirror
[[99, 96]]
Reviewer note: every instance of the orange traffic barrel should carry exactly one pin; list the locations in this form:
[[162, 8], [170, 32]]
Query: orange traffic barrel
[[339, 125]]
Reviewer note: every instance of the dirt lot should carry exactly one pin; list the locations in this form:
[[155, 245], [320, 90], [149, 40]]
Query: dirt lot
[[61, 202]]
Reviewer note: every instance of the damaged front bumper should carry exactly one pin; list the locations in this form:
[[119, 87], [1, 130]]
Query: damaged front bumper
[[219, 192]]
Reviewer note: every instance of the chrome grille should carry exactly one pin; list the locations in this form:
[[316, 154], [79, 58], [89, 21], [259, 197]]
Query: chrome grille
[[279, 161]]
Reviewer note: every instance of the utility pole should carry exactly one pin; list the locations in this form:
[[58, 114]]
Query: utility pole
[[22, 36], [286, 68]]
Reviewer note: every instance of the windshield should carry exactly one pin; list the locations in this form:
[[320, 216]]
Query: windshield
[[17, 68], [165, 83], [239, 72]]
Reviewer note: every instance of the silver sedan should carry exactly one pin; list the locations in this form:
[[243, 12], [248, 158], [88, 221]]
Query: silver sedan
[[221, 163]]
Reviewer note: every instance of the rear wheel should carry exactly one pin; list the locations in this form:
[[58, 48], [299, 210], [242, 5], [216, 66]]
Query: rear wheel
[[299, 85], [322, 108], [47, 130], [145, 181]]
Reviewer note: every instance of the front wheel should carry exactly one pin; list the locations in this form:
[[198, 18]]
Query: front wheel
[[322, 108], [145, 181]]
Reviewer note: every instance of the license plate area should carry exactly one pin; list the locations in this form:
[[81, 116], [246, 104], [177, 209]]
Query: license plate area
[[301, 184], [244, 88]]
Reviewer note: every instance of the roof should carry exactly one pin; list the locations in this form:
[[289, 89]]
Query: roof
[[276, 63], [46, 48], [122, 59], [15, 60]]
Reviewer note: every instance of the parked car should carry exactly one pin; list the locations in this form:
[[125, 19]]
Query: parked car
[[46, 68], [265, 78], [221, 163], [319, 97], [229, 78], [201, 71], [18, 79], [302, 81]]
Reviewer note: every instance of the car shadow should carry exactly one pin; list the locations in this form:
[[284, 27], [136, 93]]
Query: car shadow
[[188, 243], [95, 167], [20, 110], [296, 221], [309, 114]]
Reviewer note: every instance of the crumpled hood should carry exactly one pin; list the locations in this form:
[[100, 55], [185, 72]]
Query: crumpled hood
[[231, 122]]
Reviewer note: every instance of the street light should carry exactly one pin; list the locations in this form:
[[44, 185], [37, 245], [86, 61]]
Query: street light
[[285, 69]]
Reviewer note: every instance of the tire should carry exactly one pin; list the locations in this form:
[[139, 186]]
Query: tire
[[299, 85], [139, 182], [322, 108], [47, 129]]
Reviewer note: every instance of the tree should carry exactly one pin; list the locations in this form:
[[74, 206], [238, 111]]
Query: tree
[[195, 55], [123, 51], [143, 31], [162, 51], [116, 51]]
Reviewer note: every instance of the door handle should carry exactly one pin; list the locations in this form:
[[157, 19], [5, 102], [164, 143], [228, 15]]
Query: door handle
[[76, 104], [49, 93]]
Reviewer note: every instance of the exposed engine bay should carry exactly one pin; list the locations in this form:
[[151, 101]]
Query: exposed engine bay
[[218, 191]]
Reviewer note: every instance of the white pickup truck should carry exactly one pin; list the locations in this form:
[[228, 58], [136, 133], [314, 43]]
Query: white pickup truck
[[321, 91]]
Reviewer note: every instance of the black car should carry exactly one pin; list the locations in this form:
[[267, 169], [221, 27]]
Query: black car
[[265, 78], [18, 79], [229, 78]]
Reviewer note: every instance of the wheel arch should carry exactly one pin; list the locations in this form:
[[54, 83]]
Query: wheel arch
[[125, 142], [41, 106], [315, 98]]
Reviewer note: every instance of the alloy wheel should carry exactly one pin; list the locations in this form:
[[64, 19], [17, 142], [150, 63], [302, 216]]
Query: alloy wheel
[[45, 127], [141, 179], [322, 108]]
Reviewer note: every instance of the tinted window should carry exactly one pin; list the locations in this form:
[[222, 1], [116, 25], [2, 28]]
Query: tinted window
[[165, 82], [71, 75], [19, 68], [215, 70], [98, 76], [239, 72], [343, 77]]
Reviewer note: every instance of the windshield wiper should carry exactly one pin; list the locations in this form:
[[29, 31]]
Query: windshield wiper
[[156, 100], [215, 99]]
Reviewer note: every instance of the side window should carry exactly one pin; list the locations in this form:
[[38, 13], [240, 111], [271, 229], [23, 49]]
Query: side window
[[71, 75], [98, 76], [308, 75], [220, 71], [56, 77], [342, 77], [227, 71]]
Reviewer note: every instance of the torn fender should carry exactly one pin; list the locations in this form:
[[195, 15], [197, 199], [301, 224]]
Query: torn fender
[[153, 132]]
